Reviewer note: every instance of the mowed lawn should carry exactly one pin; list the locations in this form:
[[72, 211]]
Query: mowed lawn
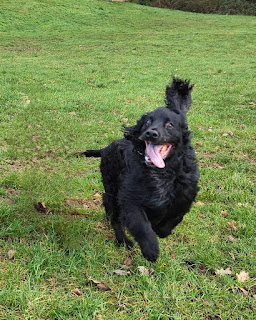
[[73, 72]]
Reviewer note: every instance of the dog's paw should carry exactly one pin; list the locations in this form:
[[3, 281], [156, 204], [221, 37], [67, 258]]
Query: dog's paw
[[150, 250], [129, 244]]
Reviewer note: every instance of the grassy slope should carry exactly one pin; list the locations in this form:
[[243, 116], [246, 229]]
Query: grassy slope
[[72, 72]]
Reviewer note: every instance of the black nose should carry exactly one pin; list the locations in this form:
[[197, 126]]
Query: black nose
[[151, 134]]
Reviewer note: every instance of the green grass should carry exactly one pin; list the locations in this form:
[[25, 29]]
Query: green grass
[[72, 72]]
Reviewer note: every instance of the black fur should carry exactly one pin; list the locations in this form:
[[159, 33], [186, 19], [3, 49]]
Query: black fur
[[148, 200]]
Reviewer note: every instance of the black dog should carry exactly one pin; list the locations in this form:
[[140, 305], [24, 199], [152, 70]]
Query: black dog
[[151, 176]]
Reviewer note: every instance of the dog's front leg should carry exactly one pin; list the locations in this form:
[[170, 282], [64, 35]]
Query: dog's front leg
[[140, 228]]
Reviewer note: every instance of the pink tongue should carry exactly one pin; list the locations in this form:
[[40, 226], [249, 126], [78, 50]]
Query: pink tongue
[[153, 151]]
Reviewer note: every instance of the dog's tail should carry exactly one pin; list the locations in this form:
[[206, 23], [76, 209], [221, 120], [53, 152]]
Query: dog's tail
[[90, 153]]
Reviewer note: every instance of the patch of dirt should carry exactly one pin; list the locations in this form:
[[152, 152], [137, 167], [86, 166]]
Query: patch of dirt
[[92, 204]]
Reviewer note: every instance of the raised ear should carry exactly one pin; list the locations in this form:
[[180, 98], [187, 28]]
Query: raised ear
[[133, 133], [178, 95]]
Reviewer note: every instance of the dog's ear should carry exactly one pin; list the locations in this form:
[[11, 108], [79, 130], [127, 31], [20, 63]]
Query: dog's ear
[[178, 95], [133, 133]]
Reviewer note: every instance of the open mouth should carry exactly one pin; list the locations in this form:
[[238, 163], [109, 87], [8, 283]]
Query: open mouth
[[157, 153]]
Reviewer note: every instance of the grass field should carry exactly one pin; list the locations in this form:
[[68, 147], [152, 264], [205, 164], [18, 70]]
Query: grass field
[[72, 73]]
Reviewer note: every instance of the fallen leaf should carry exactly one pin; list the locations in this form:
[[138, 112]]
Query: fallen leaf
[[243, 290], [199, 143], [99, 284], [127, 262], [122, 272], [242, 276], [222, 272], [232, 224], [231, 238], [229, 133], [41, 207], [251, 103], [232, 256], [210, 130], [224, 213], [97, 195], [101, 122], [76, 291], [199, 203], [100, 225], [11, 254], [125, 120], [99, 317], [243, 204], [145, 271], [30, 305], [110, 236], [202, 268], [205, 303], [216, 165]]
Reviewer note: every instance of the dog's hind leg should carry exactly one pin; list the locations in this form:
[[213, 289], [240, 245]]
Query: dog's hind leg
[[112, 212]]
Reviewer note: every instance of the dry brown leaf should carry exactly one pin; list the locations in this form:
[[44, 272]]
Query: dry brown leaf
[[122, 272], [199, 203], [216, 165], [232, 256], [199, 143], [99, 284], [242, 276], [97, 195], [243, 204], [205, 303], [224, 213], [11, 254], [229, 133], [231, 238], [202, 268], [76, 291], [110, 236], [103, 287], [243, 290], [232, 224], [127, 262], [101, 122], [144, 271], [222, 272], [30, 305], [41, 207], [100, 225]]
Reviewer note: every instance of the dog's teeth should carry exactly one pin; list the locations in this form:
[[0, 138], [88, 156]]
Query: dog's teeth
[[163, 149]]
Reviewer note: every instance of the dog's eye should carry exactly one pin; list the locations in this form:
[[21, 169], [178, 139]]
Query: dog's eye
[[169, 125], [148, 123]]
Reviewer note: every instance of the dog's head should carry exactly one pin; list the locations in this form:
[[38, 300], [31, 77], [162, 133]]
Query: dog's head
[[159, 132]]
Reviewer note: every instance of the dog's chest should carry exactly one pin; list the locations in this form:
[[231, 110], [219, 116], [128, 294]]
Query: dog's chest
[[161, 190]]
